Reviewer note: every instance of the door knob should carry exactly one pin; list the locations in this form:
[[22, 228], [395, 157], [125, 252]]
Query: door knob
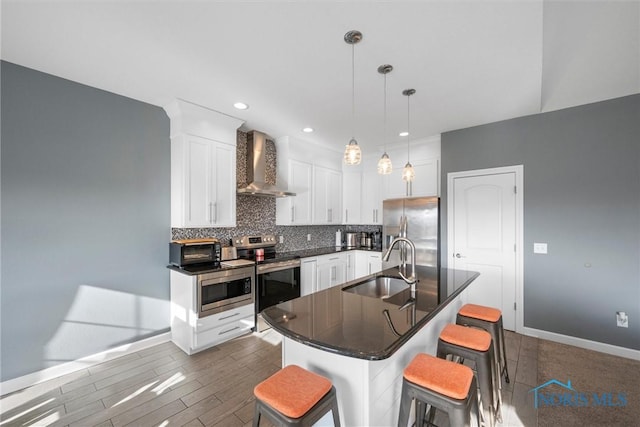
[[459, 256]]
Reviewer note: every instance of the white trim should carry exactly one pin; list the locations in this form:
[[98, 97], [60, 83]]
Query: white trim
[[34, 378], [519, 174], [582, 343]]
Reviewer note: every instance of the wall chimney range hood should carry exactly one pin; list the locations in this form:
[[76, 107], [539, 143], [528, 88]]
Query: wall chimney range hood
[[257, 169]]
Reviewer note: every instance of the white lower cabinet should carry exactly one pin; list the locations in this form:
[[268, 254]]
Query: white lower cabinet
[[332, 270], [192, 333], [374, 262], [217, 328], [367, 263], [308, 276], [325, 271], [350, 258]]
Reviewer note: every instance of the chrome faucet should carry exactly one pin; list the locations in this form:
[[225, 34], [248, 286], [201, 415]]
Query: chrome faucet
[[411, 280]]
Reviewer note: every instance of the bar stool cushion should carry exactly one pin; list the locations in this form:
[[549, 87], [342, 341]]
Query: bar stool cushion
[[292, 390], [480, 312], [475, 339], [444, 377]]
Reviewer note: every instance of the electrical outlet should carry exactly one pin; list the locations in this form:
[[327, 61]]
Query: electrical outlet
[[539, 248], [281, 239], [308, 237], [622, 319]]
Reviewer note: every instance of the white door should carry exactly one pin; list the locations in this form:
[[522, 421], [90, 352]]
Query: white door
[[483, 237]]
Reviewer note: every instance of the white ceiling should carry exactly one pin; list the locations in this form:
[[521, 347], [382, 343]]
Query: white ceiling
[[471, 62]]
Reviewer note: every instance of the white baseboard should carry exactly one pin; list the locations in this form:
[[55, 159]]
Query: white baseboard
[[34, 378], [582, 343]]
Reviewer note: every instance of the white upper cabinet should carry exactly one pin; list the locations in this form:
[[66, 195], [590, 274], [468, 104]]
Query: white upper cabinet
[[308, 170], [351, 200], [296, 210], [424, 184], [371, 198], [203, 166], [425, 158], [327, 196], [204, 171]]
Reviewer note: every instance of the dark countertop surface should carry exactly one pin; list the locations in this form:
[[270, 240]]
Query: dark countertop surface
[[309, 253], [193, 270], [356, 325]]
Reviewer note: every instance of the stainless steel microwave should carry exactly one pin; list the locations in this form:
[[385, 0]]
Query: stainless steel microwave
[[225, 289]]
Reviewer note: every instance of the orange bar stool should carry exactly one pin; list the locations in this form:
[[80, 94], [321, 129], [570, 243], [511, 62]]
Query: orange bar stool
[[444, 385], [474, 344], [294, 396], [489, 319]]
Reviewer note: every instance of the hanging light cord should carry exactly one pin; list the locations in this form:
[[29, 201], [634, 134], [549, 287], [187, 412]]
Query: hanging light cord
[[408, 130], [384, 135], [353, 92]]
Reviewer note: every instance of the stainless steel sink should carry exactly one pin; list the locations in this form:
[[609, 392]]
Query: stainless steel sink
[[380, 287]]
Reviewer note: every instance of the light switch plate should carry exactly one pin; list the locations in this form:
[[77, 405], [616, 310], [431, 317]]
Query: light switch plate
[[539, 248]]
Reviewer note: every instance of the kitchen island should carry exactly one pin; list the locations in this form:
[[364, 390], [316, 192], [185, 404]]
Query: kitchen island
[[362, 343]]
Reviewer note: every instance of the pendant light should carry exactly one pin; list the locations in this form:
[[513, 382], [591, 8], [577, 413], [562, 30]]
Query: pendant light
[[384, 164], [408, 174], [352, 153]]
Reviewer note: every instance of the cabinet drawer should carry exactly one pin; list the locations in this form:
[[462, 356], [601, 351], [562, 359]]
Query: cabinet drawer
[[219, 319], [224, 332]]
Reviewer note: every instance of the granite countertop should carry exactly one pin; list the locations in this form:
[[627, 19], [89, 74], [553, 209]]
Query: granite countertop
[[305, 253], [309, 253], [194, 270], [358, 326]]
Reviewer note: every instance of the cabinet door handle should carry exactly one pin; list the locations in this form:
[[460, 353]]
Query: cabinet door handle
[[228, 330], [333, 273], [293, 216], [229, 317], [346, 215], [210, 212], [215, 212]]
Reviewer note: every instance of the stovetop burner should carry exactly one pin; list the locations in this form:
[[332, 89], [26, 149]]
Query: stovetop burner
[[248, 246]]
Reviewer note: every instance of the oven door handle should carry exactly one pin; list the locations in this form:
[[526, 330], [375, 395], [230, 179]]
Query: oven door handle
[[285, 265]]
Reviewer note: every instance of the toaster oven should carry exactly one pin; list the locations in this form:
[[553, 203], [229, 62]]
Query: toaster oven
[[195, 251]]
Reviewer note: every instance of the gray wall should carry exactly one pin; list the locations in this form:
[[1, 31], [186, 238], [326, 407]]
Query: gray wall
[[85, 220], [582, 197]]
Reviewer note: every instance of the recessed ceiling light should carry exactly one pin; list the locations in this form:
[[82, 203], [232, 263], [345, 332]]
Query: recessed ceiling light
[[405, 133], [241, 105], [307, 130]]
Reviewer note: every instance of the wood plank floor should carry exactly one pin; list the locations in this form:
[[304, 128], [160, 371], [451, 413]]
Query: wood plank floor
[[162, 386]]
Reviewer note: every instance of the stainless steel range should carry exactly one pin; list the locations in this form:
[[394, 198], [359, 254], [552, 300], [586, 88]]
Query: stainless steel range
[[277, 274]]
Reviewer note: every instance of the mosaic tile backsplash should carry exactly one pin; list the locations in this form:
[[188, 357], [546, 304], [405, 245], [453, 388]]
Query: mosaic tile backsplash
[[257, 216]]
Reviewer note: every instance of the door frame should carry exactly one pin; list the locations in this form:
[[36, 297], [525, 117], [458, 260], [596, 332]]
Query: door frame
[[519, 259]]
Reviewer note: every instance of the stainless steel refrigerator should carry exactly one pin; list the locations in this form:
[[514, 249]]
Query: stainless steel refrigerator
[[416, 218]]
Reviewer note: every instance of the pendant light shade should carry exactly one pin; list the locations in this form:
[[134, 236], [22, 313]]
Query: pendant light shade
[[384, 164], [408, 174], [352, 153]]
